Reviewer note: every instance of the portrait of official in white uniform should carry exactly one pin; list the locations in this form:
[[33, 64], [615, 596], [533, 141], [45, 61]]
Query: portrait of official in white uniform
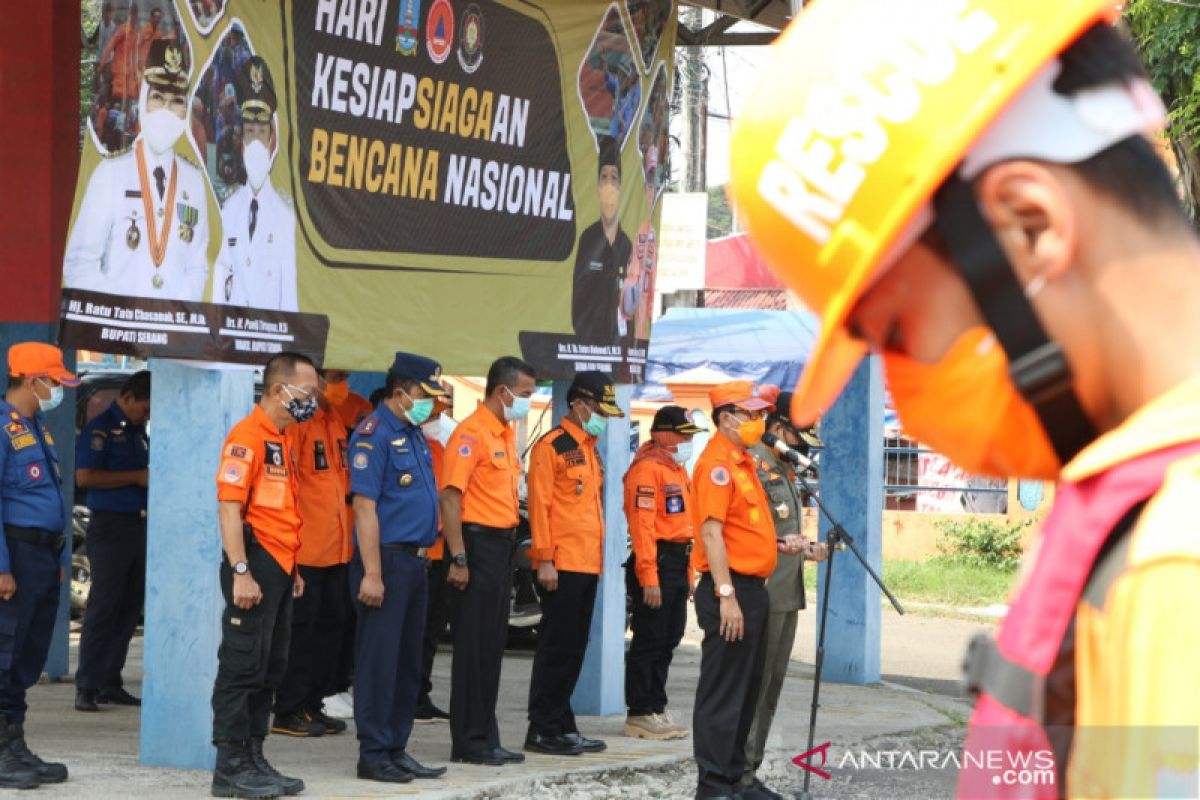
[[256, 267], [142, 229]]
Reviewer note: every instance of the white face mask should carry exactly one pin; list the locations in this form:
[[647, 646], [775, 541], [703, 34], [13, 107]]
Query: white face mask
[[519, 408], [683, 453], [53, 401], [257, 159]]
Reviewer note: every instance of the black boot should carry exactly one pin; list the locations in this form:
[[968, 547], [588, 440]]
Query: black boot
[[290, 786], [236, 776], [46, 771], [13, 772]]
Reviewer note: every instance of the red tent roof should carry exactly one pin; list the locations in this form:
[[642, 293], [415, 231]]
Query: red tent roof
[[731, 262]]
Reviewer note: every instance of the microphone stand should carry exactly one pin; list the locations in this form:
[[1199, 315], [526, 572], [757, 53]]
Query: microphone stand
[[834, 540]]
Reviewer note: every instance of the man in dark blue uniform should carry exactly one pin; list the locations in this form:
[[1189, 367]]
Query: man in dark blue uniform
[[32, 557], [112, 456], [396, 517]]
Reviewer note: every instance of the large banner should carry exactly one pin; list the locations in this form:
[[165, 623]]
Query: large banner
[[348, 178]]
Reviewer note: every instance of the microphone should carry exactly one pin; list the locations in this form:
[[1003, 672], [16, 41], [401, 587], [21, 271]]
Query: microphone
[[793, 457]]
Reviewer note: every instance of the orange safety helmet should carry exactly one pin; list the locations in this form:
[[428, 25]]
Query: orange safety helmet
[[868, 107]]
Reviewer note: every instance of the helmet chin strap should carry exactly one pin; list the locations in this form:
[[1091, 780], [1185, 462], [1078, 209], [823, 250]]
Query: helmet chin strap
[[1037, 365]]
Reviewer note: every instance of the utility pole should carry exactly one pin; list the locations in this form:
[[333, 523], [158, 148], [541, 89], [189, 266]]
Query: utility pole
[[694, 75]]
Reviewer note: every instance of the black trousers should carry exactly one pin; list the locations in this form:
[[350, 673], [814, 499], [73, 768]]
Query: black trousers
[[730, 675], [254, 650], [116, 548], [26, 623], [435, 623], [343, 674], [656, 631], [562, 643], [318, 623], [480, 620], [387, 655]]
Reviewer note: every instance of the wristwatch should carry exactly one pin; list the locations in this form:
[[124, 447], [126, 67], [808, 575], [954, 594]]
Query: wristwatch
[[725, 590], [459, 560], [241, 568]]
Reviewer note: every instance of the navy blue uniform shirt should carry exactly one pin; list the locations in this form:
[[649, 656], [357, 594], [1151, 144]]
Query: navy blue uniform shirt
[[30, 483], [112, 443], [390, 462]]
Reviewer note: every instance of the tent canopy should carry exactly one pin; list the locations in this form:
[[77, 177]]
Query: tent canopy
[[762, 346]]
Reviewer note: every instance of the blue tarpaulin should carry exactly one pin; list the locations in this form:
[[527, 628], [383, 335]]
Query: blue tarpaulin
[[762, 346]]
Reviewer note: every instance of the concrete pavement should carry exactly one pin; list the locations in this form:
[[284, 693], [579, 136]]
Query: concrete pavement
[[919, 653]]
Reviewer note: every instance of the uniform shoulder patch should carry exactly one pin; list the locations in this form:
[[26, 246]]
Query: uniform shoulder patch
[[233, 472], [361, 460], [238, 451], [563, 443], [464, 450], [719, 475], [645, 491], [645, 503], [368, 425], [98, 441]]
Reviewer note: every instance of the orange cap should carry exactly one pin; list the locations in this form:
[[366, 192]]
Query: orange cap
[[39, 360], [743, 394]]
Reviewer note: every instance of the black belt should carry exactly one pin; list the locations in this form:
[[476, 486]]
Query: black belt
[[101, 512], [506, 533], [411, 549], [40, 536], [675, 548], [738, 577]]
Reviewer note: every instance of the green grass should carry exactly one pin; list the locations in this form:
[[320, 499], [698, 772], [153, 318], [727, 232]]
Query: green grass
[[936, 581]]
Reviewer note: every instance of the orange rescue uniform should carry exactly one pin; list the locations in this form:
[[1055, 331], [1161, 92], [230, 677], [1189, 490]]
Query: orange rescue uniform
[[659, 506], [353, 409], [257, 471], [727, 490], [438, 451], [566, 511], [323, 482], [481, 462]]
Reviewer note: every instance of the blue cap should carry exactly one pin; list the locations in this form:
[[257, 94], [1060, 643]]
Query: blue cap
[[424, 371]]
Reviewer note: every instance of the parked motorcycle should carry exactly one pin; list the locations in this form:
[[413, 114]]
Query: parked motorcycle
[[81, 568]]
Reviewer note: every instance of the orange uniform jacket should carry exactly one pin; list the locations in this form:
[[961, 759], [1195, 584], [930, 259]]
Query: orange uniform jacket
[[659, 505], [566, 511], [323, 481], [257, 470], [353, 409], [481, 462], [727, 489]]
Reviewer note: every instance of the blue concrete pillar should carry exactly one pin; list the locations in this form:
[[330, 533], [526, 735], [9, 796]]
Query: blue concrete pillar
[[61, 422], [852, 489], [601, 687], [193, 409]]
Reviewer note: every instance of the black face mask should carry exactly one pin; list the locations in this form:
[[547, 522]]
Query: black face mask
[[301, 410]]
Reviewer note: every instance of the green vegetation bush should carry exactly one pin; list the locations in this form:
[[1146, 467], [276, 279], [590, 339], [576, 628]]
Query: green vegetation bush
[[980, 542]]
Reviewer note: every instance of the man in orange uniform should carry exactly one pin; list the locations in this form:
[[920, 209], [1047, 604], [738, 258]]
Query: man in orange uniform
[[660, 508], [479, 520], [566, 520], [1011, 244], [351, 406], [124, 55], [734, 554], [260, 535], [322, 481]]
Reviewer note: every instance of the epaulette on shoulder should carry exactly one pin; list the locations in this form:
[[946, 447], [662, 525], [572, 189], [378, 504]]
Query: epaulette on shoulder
[[368, 425], [564, 442]]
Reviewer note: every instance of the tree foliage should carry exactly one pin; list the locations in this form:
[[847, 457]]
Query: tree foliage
[[720, 215], [1168, 37]]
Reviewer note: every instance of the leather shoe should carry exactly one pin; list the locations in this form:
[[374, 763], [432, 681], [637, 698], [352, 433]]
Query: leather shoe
[[479, 758], [552, 745], [117, 696], [383, 771], [509, 756], [585, 744], [409, 764], [85, 700]]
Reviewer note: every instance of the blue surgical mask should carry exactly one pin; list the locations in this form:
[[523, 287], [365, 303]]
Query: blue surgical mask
[[595, 425], [52, 402], [683, 453], [519, 408]]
